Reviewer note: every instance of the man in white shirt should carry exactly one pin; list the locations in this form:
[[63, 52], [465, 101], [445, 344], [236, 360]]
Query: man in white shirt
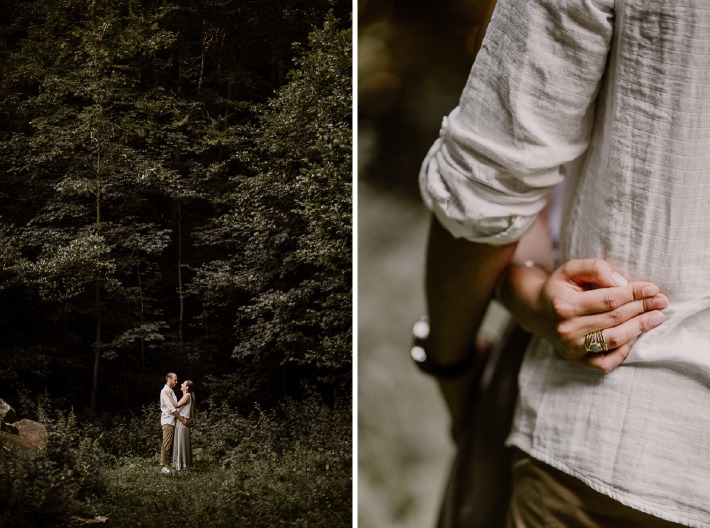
[[168, 415], [624, 86]]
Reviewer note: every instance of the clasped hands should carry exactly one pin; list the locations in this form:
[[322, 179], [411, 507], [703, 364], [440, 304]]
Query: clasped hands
[[580, 297]]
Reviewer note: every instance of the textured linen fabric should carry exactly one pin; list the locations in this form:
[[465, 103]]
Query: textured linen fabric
[[527, 110], [627, 85], [166, 406]]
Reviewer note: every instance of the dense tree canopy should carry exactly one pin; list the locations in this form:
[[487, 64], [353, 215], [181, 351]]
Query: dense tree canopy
[[176, 195]]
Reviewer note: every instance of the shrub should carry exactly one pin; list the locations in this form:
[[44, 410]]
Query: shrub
[[295, 467], [286, 467], [48, 490], [32, 493], [216, 431], [132, 435]]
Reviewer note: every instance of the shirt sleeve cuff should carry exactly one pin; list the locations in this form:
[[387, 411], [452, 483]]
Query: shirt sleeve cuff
[[469, 209], [503, 230]]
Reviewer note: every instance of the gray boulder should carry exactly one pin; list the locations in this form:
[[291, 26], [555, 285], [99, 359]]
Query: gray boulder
[[7, 413], [24, 438]]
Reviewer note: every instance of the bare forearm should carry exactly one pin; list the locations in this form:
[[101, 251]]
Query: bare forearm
[[519, 291], [460, 279]]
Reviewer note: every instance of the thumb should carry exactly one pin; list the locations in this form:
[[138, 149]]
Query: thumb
[[594, 271]]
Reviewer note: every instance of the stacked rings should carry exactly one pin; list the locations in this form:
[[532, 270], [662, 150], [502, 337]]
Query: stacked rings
[[594, 342]]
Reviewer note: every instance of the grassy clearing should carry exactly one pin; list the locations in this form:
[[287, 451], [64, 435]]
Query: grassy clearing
[[272, 494], [292, 468]]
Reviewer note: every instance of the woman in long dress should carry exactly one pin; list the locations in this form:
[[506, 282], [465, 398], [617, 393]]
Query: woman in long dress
[[182, 450]]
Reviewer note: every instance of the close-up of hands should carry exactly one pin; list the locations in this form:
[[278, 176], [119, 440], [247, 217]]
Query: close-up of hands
[[578, 298]]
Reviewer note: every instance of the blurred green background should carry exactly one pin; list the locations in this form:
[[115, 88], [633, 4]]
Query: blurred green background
[[413, 61]]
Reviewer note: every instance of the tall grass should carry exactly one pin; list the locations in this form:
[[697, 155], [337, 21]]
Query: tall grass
[[287, 468]]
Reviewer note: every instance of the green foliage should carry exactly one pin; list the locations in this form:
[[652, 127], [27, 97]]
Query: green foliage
[[173, 198], [48, 490], [32, 494], [128, 436], [307, 133], [288, 468], [290, 223], [301, 459]]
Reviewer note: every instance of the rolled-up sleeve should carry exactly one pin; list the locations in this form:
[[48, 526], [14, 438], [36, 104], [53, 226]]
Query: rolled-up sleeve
[[527, 109]]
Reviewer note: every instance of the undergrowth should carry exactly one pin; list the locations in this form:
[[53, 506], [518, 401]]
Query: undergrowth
[[291, 467]]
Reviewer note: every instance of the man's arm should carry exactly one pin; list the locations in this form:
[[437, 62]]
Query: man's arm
[[184, 420], [460, 279], [167, 399]]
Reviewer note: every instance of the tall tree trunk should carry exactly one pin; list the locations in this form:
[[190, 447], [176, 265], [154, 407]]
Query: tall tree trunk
[[97, 347], [142, 316], [181, 295], [201, 78], [97, 343], [125, 381]]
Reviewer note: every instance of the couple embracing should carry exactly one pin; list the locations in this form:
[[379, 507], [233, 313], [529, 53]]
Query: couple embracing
[[175, 421]]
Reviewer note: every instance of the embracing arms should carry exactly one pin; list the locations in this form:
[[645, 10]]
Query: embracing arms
[[170, 395], [183, 401], [579, 297]]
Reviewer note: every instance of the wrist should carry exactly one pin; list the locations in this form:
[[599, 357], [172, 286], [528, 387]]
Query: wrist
[[518, 280], [520, 291]]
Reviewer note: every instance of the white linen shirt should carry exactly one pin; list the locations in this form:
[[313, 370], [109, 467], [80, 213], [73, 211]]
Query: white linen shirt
[[626, 84], [166, 406]]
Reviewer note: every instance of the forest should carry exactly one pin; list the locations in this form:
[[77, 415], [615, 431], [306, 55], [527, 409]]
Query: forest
[[176, 195], [172, 199]]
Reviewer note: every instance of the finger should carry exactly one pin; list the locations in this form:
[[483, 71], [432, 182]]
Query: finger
[[659, 302], [606, 362], [593, 271], [629, 331], [609, 299], [622, 314], [632, 328]]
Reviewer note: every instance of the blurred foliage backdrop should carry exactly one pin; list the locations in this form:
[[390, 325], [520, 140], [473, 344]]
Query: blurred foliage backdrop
[[413, 60]]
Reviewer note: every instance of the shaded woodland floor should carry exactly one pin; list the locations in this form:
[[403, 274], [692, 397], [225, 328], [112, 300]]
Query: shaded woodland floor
[[291, 467]]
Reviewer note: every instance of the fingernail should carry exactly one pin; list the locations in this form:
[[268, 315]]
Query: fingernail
[[650, 290], [660, 302], [617, 279], [656, 318]]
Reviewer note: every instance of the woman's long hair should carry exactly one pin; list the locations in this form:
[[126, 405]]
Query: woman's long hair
[[193, 400]]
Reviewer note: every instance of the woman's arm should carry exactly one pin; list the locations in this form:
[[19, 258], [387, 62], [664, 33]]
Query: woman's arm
[[183, 401], [579, 297]]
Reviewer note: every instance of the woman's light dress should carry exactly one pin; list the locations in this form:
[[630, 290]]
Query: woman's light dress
[[182, 450]]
